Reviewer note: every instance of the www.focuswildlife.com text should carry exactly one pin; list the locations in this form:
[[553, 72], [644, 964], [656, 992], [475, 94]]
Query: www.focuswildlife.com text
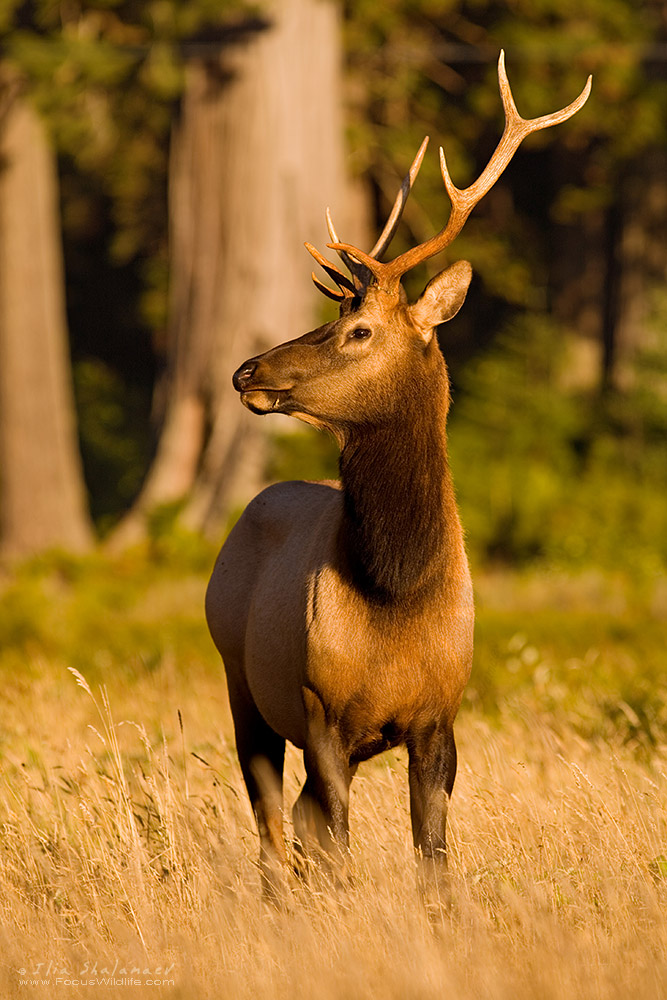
[[116, 973]]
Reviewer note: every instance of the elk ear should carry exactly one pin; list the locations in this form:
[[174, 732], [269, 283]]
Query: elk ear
[[442, 298]]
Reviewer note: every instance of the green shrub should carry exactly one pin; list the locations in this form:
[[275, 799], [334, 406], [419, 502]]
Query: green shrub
[[545, 474], [302, 454], [114, 431]]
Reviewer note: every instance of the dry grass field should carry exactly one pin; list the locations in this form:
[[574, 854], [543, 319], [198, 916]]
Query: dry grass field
[[127, 858]]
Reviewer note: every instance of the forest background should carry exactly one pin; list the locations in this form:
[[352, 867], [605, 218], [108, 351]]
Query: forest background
[[161, 165]]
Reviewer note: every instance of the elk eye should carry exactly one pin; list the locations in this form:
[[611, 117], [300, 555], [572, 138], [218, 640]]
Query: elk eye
[[359, 333]]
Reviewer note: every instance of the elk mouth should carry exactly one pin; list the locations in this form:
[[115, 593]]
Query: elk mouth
[[264, 400]]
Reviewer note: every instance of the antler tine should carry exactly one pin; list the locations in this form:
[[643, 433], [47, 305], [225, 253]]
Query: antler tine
[[361, 272], [464, 200], [392, 222], [535, 124], [357, 270], [331, 293], [346, 286], [375, 267]]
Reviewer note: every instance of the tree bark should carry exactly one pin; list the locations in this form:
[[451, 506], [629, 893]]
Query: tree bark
[[256, 158], [42, 494]]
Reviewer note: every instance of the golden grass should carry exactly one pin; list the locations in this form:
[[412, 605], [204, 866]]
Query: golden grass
[[130, 845]]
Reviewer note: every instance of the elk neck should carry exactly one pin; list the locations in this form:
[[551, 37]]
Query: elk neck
[[400, 529]]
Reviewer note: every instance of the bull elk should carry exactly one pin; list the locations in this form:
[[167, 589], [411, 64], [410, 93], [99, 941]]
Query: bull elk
[[344, 611]]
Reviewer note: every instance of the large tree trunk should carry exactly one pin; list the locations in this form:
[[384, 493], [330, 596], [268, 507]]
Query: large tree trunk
[[256, 158], [42, 494]]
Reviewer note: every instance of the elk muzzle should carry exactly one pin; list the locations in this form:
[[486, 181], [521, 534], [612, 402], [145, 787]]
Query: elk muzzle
[[258, 387]]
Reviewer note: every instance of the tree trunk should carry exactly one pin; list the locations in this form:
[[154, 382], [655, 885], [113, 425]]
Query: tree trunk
[[643, 254], [42, 494], [605, 268], [256, 158]]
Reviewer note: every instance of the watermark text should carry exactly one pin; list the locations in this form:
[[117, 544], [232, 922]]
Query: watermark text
[[95, 973]]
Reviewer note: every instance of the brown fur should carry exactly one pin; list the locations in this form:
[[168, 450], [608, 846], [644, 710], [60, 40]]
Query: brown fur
[[344, 612]]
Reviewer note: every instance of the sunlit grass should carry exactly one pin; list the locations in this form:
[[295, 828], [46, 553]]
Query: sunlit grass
[[127, 840], [118, 847]]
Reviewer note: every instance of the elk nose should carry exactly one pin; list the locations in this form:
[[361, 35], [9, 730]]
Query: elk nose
[[243, 375]]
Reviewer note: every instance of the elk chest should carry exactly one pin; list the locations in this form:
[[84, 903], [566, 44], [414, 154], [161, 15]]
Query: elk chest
[[379, 669]]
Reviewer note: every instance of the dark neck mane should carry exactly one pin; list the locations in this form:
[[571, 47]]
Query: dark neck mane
[[399, 516]]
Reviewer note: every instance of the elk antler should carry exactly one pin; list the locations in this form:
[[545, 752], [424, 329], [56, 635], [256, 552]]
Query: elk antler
[[362, 275], [388, 275]]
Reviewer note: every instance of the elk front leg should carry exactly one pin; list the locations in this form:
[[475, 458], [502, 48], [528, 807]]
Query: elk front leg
[[261, 755], [432, 772], [320, 814]]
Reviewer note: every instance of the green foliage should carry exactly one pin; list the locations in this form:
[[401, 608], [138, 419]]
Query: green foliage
[[102, 614], [658, 867], [587, 651], [302, 454], [545, 474], [596, 666], [114, 449], [169, 543]]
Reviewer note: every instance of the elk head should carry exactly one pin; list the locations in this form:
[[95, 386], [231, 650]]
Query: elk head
[[325, 377]]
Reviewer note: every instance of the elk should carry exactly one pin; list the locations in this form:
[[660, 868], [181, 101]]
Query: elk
[[344, 611]]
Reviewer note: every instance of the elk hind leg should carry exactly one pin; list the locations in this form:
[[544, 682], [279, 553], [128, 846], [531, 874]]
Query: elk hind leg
[[320, 814], [261, 754]]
